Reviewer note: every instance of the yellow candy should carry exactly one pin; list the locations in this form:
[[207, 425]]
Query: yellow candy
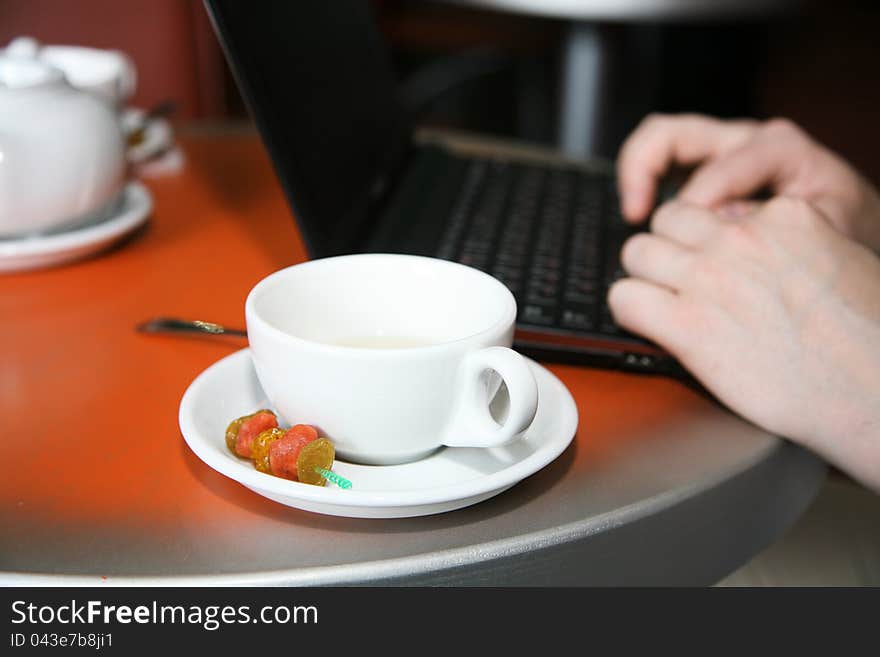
[[260, 448], [316, 454]]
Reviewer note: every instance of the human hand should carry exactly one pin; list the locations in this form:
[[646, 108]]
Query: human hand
[[736, 159], [775, 312]]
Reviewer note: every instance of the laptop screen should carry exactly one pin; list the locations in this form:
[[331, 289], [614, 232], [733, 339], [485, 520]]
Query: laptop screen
[[316, 80]]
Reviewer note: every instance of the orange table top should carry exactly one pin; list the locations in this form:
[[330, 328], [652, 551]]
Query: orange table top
[[89, 405]]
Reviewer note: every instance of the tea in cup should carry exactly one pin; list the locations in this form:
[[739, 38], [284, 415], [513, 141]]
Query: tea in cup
[[390, 356]]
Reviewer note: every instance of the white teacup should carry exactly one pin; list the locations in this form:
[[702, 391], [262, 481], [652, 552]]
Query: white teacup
[[390, 356]]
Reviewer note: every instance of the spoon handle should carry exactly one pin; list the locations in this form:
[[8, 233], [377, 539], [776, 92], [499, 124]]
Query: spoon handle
[[175, 325]]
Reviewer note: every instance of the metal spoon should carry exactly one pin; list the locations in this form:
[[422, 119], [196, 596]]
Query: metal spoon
[[188, 326]]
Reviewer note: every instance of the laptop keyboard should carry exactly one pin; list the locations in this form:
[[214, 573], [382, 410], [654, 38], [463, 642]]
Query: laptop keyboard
[[552, 235]]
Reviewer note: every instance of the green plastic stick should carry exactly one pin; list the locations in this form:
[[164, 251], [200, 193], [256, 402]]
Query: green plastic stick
[[339, 480]]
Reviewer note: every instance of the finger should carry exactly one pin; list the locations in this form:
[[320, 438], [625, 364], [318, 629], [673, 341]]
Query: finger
[[660, 141], [648, 310], [656, 259], [758, 164], [684, 223], [738, 209]]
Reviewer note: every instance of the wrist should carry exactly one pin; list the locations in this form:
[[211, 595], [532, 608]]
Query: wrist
[[866, 230], [848, 434], [841, 421], [865, 445]]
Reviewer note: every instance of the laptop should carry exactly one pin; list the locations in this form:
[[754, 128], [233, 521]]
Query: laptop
[[360, 177]]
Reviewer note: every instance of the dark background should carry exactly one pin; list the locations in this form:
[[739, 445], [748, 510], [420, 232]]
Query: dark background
[[815, 64]]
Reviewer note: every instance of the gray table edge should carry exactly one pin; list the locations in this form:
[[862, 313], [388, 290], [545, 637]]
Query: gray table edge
[[770, 494]]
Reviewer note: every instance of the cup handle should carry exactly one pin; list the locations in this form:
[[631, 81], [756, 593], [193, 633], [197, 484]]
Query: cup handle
[[472, 425]]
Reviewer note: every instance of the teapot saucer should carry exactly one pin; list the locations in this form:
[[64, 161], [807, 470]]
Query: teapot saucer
[[80, 240], [448, 479]]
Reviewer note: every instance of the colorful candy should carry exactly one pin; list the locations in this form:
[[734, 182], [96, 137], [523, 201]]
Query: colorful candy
[[241, 432], [260, 448], [315, 458], [297, 453], [284, 452]]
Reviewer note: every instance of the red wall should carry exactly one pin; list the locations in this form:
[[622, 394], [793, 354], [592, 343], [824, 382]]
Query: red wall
[[171, 42]]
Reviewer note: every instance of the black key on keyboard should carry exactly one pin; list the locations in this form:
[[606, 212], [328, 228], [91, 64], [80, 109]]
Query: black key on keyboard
[[536, 314], [553, 236], [579, 317]]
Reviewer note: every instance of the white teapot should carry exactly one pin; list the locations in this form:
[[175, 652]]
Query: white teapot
[[110, 74], [62, 150]]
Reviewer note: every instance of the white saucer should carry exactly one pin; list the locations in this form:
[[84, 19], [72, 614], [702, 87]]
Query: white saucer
[[449, 479], [58, 247]]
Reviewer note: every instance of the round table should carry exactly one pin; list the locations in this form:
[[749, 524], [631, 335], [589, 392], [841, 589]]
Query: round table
[[660, 485]]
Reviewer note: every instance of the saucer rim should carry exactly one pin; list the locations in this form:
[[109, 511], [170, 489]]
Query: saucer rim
[[136, 206], [497, 481]]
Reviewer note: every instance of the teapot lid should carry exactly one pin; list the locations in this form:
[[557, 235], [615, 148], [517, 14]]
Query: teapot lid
[[24, 72]]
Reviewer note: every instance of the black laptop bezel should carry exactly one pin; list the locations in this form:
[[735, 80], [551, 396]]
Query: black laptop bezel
[[369, 206]]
